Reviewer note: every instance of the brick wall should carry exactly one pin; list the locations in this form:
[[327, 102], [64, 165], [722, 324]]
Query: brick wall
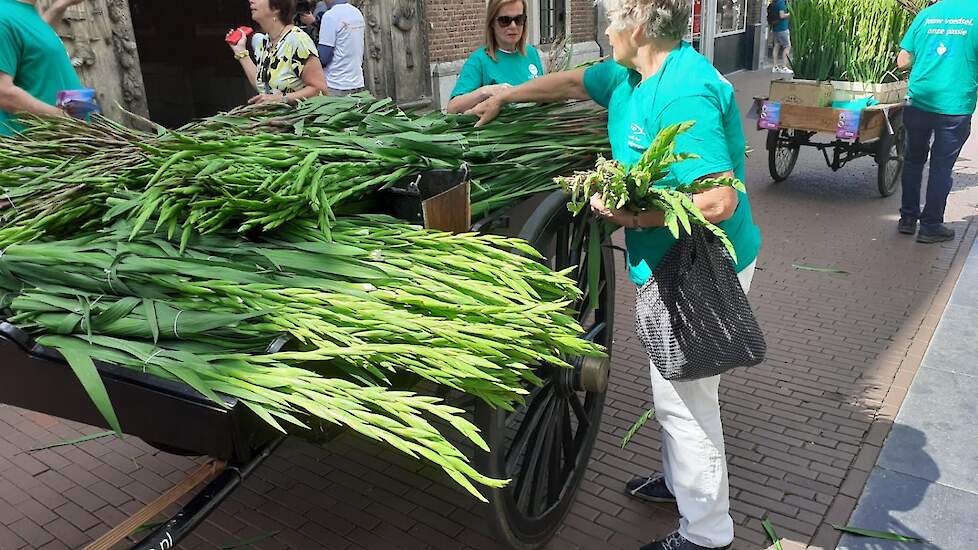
[[456, 28], [582, 20]]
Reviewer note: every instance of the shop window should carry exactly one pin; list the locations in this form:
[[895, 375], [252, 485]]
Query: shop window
[[553, 20], [731, 16]]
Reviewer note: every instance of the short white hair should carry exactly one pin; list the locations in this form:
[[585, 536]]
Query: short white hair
[[662, 19]]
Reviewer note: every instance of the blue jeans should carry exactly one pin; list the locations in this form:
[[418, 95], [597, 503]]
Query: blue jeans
[[949, 133]]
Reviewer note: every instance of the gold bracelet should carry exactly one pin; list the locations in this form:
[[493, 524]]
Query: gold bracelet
[[241, 55]]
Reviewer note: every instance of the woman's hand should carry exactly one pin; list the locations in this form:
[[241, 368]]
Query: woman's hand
[[624, 218], [268, 98], [493, 89], [487, 111], [238, 46]]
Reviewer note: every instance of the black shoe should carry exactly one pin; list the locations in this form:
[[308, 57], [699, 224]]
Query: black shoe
[[675, 541], [650, 489], [936, 233], [907, 225]]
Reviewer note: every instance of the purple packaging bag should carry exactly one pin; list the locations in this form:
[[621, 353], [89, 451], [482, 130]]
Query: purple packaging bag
[[78, 103]]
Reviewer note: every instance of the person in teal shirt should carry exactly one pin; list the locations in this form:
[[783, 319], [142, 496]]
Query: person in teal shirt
[[34, 65], [656, 80], [506, 60], [782, 35], [941, 47]]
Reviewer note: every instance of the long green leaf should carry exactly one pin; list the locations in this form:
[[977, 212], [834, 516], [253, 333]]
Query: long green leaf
[[69, 442], [876, 534], [636, 427], [77, 354], [594, 262], [772, 534], [818, 269]]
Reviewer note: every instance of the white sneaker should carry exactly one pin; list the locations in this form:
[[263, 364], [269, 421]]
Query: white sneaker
[[778, 69]]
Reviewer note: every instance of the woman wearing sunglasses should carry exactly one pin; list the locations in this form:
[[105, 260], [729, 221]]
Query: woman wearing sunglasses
[[505, 61]]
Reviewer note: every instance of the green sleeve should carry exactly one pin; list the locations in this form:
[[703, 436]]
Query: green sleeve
[[9, 50], [601, 80], [470, 78], [706, 139], [909, 40]]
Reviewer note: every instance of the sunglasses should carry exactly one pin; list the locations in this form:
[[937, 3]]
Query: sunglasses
[[505, 20]]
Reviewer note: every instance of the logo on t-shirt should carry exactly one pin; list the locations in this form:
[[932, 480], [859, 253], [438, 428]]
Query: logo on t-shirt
[[534, 72], [942, 49], [638, 139]]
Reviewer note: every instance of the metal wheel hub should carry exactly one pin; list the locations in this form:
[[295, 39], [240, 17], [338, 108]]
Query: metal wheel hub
[[591, 374]]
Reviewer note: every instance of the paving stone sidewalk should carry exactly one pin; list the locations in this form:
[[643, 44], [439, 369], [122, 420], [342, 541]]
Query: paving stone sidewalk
[[924, 483], [803, 430]]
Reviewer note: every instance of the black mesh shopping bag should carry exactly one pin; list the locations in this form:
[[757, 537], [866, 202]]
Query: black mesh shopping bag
[[693, 316]]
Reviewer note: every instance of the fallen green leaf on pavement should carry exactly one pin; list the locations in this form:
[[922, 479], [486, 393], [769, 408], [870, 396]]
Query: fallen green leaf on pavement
[[68, 442], [637, 426], [249, 542], [817, 269], [772, 534], [876, 534]]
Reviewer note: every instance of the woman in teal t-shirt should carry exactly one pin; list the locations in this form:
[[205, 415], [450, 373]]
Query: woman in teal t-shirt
[[656, 80], [505, 61]]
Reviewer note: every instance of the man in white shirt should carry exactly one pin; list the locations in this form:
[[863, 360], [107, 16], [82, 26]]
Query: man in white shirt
[[341, 45]]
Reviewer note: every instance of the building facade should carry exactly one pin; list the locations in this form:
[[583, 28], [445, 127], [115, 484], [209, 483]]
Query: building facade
[[731, 33], [415, 48]]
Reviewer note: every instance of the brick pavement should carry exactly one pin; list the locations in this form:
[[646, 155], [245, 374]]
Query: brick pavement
[[803, 429]]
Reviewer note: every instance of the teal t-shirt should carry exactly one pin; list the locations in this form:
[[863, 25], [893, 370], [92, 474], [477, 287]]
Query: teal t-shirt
[[33, 55], [782, 25], [687, 87], [509, 68], [944, 42]]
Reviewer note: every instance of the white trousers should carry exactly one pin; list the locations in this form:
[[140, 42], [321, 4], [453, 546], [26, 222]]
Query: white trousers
[[693, 456]]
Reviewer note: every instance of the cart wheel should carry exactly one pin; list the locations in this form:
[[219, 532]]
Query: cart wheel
[[544, 446], [889, 157], [781, 159]]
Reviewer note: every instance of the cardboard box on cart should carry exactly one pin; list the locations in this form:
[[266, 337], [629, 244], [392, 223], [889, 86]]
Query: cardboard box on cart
[[804, 93]]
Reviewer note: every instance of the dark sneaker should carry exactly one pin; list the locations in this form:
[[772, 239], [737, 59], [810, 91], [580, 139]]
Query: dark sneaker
[[675, 541], [907, 226], [937, 233], [650, 489]]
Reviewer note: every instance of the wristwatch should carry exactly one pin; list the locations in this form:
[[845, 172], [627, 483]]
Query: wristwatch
[[241, 55]]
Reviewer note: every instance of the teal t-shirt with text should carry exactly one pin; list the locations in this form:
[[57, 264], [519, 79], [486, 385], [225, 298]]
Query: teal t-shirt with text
[[509, 68], [33, 55], [944, 42], [686, 88]]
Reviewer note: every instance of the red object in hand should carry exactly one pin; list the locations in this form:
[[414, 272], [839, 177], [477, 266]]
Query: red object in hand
[[237, 34]]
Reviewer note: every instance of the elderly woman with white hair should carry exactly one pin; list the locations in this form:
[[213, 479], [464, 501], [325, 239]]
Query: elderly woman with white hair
[[655, 80]]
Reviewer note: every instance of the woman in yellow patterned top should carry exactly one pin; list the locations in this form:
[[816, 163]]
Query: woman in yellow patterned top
[[288, 67]]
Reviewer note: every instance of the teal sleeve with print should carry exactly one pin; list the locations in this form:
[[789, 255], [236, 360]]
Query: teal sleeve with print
[[470, 78], [706, 139], [909, 42], [601, 80]]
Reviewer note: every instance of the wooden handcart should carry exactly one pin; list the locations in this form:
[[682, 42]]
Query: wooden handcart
[[881, 136]]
